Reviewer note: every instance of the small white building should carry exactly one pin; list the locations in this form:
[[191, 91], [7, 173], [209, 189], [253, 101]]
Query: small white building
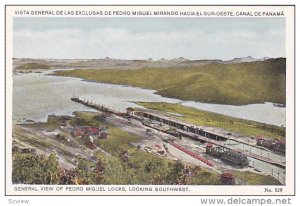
[[91, 139]]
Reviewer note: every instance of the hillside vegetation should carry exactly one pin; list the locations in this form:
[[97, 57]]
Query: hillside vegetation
[[236, 84], [32, 66]]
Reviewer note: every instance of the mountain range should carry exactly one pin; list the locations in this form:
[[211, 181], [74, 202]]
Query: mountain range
[[111, 63]]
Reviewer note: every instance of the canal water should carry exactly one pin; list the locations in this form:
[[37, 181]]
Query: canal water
[[35, 95], [277, 172], [272, 170]]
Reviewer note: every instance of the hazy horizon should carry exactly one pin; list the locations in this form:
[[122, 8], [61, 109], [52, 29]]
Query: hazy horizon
[[144, 38], [112, 58]]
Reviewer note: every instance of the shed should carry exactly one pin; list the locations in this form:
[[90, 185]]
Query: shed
[[103, 135]]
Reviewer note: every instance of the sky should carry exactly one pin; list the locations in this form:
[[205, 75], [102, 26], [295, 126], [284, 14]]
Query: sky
[[143, 38]]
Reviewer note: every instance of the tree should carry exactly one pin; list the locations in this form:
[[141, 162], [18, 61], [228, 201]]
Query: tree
[[51, 169], [99, 172], [119, 173], [157, 171], [85, 171], [176, 174], [35, 169]]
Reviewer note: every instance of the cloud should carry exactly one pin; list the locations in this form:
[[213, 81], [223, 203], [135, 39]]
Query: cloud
[[126, 44]]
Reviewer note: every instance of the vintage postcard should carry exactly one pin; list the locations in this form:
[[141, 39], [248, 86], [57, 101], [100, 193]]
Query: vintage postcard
[[150, 100]]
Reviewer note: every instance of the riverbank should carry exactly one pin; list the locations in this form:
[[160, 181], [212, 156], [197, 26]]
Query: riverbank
[[210, 119], [234, 84]]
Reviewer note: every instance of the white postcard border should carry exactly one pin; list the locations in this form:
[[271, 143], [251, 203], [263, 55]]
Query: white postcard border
[[288, 189]]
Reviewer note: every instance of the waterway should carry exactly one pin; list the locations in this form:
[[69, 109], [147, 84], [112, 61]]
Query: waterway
[[36, 95]]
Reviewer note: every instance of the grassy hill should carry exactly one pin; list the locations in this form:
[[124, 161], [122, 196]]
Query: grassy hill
[[237, 84], [32, 66]]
